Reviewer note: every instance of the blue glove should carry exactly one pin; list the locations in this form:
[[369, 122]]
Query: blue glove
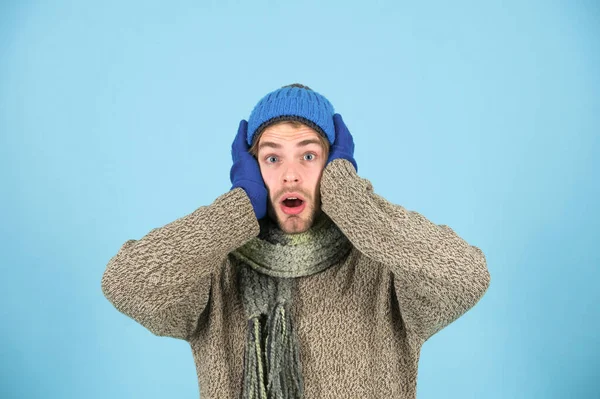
[[343, 146], [245, 172]]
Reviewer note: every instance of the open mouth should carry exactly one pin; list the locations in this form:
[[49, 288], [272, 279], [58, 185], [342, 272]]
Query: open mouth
[[292, 205], [292, 202]]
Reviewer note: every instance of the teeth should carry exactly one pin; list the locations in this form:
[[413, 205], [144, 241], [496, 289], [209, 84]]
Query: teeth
[[292, 198]]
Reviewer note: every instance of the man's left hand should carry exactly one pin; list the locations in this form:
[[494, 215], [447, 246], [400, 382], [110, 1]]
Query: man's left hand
[[343, 146]]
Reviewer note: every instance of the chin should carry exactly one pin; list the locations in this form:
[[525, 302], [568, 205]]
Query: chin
[[293, 224]]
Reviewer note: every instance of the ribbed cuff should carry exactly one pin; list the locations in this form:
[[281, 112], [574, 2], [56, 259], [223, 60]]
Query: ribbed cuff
[[337, 172], [340, 180], [236, 215]]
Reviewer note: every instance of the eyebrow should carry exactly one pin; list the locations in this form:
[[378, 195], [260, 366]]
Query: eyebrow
[[299, 144]]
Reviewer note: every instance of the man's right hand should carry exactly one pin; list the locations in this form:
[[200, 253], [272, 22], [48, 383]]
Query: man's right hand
[[245, 172]]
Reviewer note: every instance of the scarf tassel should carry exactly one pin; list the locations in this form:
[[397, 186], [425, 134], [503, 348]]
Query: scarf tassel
[[254, 387], [283, 370], [284, 379]]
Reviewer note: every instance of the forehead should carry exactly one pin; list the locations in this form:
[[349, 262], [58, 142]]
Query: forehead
[[287, 132]]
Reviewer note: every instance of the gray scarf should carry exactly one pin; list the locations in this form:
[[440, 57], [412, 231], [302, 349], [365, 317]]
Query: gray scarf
[[269, 264]]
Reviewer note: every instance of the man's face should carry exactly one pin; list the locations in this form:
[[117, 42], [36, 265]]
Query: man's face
[[291, 161]]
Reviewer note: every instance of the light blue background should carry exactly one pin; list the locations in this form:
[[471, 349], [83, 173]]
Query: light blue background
[[118, 118]]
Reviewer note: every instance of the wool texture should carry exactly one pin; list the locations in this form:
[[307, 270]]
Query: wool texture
[[360, 323]]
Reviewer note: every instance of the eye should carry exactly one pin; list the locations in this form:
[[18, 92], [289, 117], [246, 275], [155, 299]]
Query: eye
[[311, 155], [270, 157]]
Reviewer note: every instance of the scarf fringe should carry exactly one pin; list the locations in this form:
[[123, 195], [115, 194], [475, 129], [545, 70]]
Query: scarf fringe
[[254, 387], [283, 360], [283, 369]]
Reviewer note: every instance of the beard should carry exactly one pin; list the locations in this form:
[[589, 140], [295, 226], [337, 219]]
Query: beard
[[295, 224]]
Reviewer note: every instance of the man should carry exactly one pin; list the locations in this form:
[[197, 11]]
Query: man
[[300, 281]]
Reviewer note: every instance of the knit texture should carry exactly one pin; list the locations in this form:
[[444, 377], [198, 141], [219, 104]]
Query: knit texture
[[360, 323], [278, 254], [296, 103]]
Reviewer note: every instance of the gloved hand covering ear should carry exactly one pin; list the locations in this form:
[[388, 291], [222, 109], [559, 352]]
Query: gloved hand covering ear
[[343, 146], [245, 172]]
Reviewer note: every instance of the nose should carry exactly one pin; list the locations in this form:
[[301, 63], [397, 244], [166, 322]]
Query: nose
[[291, 176]]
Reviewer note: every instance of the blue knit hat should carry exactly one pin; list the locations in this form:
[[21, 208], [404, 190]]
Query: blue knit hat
[[294, 102]]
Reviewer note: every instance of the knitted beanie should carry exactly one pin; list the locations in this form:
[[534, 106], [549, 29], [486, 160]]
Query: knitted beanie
[[293, 102]]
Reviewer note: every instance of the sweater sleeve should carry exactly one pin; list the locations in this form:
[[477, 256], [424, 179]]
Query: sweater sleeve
[[163, 280], [438, 275]]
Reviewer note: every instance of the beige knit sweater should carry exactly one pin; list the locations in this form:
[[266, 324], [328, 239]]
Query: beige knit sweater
[[360, 324]]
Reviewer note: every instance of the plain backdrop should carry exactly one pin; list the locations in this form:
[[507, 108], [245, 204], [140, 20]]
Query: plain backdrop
[[118, 117]]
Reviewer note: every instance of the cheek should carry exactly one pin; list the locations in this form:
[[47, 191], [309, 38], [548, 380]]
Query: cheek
[[315, 182], [270, 180]]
